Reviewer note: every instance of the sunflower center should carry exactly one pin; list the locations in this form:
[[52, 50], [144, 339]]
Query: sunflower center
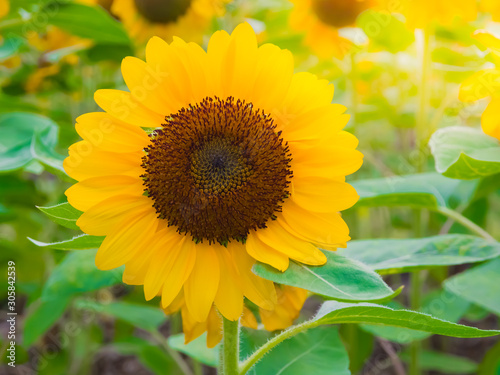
[[339, 13], [217, 169], [162, 11]]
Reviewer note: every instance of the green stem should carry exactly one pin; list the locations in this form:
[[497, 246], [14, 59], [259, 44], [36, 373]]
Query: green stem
[[230, 347], [259, 353], [186, 370], [415, 297], [11, 23], [473, 227]]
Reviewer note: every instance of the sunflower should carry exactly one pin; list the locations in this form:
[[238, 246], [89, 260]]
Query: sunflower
[[486, 84], [322, 19], [289, 303], [187, 19], [247, 162]]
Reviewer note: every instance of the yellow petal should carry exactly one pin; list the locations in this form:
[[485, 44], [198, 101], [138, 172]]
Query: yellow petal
[[274, 71], [229, 298], [323, 194], [100, 219], [248, 319], [319, 228], [265, 254], [480, 85], [132, 236], [201, 286], [281, 240], [123, 106], [214, 328], [307, 92], [191, 328], [175, 279], [109, 134], [91, 191], [166, 252], [256, 289], [315, 124], [490, 121], [86, 161], [487, 39]]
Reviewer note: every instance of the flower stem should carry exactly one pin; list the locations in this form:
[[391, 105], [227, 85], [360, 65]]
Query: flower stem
[[230, 348], [473, 227], [259, 353]]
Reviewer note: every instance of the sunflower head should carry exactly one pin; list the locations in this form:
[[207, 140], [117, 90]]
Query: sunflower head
[[247, 163], [188, 19], [213, 178], [339, 13]]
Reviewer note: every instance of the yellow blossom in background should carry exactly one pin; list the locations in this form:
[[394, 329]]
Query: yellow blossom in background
[[4, 8], [186, 19], [248, 163], [321, 20], [486, 84], [54, 39], [421, 13]]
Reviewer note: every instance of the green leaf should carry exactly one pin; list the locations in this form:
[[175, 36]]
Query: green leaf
[[76, 274], [426, 190], [41, 316], [465, 153], [490, 364], [443, 363], [439, 304], [333, 312], [385, 30], [63, 214], [81, 242], [10, 47], [89, 22], [141, 316], [317, 351], [158, 361], [340, 278], [397, 256], [480, 285], [27, 137], [196, 349]]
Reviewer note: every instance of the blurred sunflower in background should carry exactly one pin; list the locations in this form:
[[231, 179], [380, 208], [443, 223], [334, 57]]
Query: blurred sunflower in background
[[321, 21], [420, 14], [4, 8], [247, 163], [187, 19], [486, 84], [52, 44]]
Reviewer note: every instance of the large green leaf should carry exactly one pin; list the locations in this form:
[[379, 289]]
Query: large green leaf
[[63, 214], [465, 153], [148, 318], [396, 256], [81, 242], [480, 285], [334, 312], [317, 351], [89, 22], [426, 190], [77, 273], [41, 316], [385, 30], [340, 278], [27, 137], [439, 304]]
